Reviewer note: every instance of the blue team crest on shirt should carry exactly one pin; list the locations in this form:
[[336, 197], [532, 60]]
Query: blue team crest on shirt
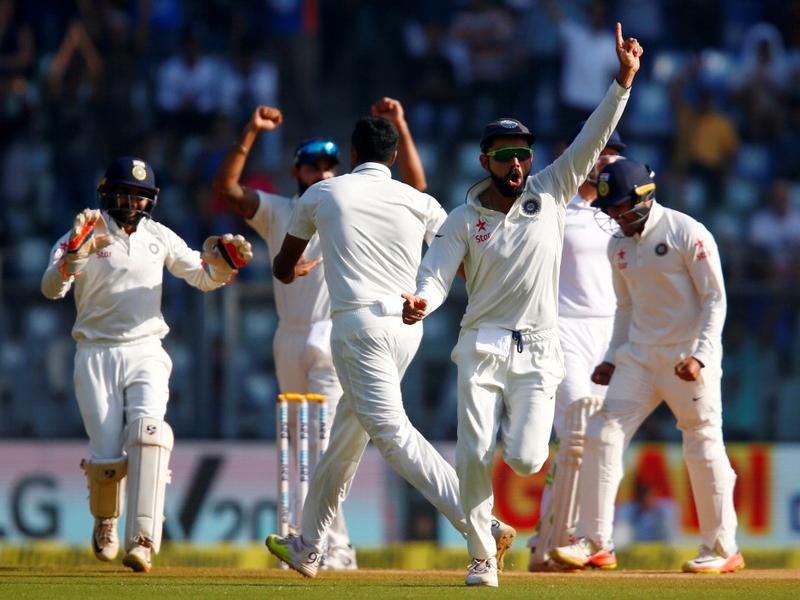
[[531, 206]]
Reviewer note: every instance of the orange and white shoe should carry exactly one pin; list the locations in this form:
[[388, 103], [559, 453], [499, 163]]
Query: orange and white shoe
[[709, 561], [585, 553]]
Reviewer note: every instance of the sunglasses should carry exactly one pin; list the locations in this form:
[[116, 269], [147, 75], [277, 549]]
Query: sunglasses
[[316, 149], [504, 155]]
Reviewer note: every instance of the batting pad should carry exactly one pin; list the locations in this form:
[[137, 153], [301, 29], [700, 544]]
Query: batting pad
[[148, 442], [558, 526], [106, 481]]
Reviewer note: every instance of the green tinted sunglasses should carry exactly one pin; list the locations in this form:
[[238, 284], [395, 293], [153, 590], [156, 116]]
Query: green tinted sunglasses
[[504, 155]]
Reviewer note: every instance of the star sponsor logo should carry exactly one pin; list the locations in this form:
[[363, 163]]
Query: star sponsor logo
[[701, 252], [480, 226], [621, 262]]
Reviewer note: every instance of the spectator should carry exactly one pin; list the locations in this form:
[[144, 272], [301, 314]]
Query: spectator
[[775, 231], [762, 82], [647, 517], [486, 31], [706, 140], [590, 61], [188, 88]]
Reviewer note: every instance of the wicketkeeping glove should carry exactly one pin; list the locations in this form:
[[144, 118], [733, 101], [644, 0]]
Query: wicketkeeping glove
[[89, 234], [223, 256]]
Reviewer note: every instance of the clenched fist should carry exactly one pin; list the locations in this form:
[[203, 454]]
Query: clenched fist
[[266, 118]]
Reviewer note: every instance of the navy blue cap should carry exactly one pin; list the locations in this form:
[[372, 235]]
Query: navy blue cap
[[623, 180], [614, 140], [128, 170], [505, 127]]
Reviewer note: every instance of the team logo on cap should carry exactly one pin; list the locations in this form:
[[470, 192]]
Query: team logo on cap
[[139, 171], [531, 206], [507, 123], [603, 188], [661, 249]]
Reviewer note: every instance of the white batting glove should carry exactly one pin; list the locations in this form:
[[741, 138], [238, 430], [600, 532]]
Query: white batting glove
[[89, 234], [223, 256]]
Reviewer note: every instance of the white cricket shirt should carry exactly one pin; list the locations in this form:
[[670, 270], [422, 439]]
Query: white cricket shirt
[[585, 286], [512, 260], [118, 293], [306, 299], [371, 228], [669, 286]]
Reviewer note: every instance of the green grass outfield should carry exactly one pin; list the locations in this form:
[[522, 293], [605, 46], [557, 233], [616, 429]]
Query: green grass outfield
[[114, 582]]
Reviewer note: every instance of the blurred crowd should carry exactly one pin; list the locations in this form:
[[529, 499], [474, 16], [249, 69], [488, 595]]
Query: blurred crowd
[[715, 112]]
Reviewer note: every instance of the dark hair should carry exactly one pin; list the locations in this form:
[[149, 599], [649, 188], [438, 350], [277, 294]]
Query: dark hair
[[374, 140]]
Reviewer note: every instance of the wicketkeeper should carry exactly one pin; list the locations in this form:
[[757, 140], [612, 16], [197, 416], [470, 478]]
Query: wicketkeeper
[[115, 259]]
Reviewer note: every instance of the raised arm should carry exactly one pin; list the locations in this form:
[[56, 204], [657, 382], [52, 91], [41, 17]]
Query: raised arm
[[242, 200], [411, 170], [629, 53], [570, 169]]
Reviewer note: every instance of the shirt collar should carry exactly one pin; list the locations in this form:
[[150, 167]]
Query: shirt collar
[[373, 166], [653, 219]]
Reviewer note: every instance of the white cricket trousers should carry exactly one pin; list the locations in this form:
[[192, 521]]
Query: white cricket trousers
[[513, 392], [644, 376], [304, 365], [584, 342], [371, 352], [115, 385]]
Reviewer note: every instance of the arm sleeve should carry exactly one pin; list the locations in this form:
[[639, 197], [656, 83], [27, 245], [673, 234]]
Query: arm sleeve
[[303, 224], [705, 269], [185, 263], [441, 261], [262, 219], [54, 285], [435, 219], [570, 169], [622, 316]]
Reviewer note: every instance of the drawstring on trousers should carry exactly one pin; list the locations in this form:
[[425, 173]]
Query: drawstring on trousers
[[517, 337]]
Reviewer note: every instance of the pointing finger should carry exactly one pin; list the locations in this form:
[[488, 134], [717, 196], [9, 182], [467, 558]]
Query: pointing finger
[[619, 34]]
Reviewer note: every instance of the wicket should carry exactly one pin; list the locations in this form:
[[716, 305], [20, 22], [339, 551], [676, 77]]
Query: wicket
[[301, 441]]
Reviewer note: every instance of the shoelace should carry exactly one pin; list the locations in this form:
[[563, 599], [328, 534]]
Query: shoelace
[[106, 530], [479, 565]]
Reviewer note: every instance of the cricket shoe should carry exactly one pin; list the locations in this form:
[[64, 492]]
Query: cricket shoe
[[585, 553], [708, 561], [138, 558], [504, 536], [105, 542], [295, 553], [339, 558], [482, 571]]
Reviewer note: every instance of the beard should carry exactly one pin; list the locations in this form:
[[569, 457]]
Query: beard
[[506, 188]]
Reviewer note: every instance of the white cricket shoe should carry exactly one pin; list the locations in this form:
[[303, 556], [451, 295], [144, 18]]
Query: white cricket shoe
[[482, 571], [294, 552], [339, 558], [709, 561], [105, 542], [504, 536], [138, 558], [585, 553]]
